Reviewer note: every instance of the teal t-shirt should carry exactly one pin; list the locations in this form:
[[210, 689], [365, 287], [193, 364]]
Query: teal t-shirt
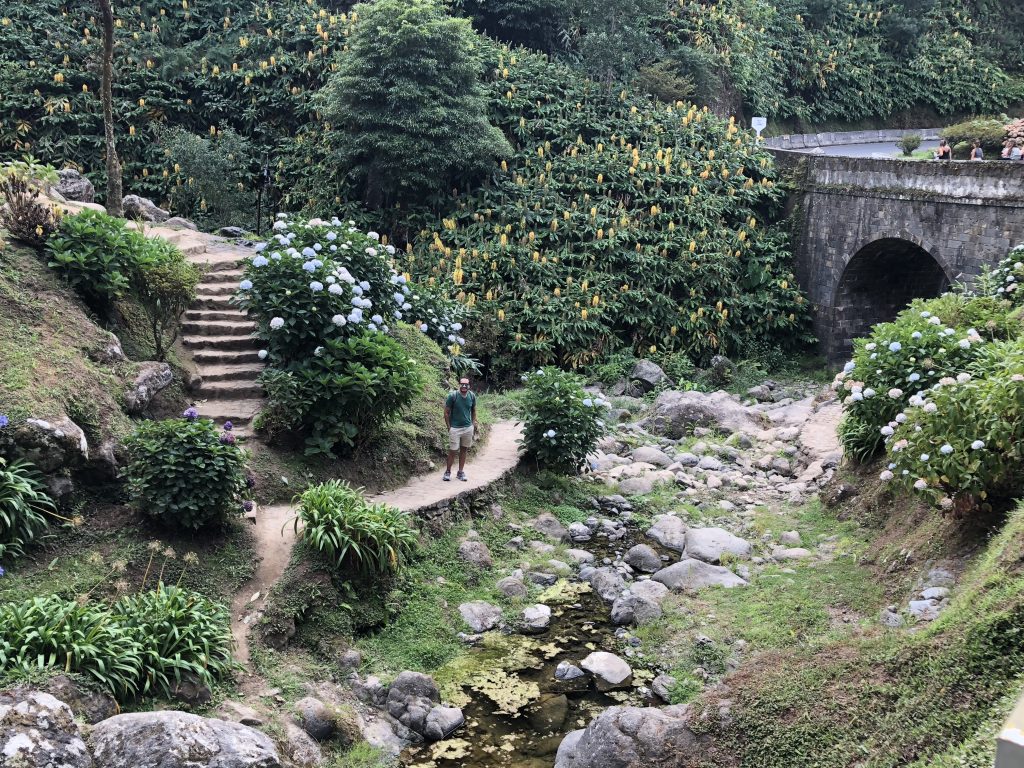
[[461, 408]]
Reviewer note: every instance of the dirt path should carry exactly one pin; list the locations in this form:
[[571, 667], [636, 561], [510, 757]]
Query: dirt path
[[497, 455]]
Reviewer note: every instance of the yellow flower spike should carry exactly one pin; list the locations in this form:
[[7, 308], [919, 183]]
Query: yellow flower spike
[[600, 178], [532, 236], [501, 315], [85, 88], [673, 330], [131, 130], [711, 154], [693, 246], [558, 291], [583, 314], [743, 236], [653, 348], [725, 314], [595, 301], [752, 222]]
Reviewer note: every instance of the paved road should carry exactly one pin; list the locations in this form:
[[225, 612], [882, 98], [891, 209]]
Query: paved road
[[875, 149]]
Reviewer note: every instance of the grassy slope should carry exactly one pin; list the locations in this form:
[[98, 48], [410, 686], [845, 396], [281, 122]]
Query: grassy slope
[[46, 339], [874, 697]]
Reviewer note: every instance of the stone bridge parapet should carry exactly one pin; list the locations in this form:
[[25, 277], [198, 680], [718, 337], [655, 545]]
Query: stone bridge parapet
[[872, 234]]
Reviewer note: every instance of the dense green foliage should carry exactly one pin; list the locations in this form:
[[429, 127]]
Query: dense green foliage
[[185, 473], [616, 223], [212, 177], [24, 508], [141, 644], [407, 106], [335, 520], [561, 422], [165, 285], [942, 390], [334, 374]]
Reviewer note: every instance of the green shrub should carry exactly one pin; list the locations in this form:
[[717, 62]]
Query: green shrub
[[314, 282], [351, 388], [990, 131], [24, 507], [184, 473], [909, 142], [178, 632], [284, 407], [407, 105], [97, 254], [212, 177], [335, 520], [51, 632], [1008, 276], [562, 423], [896, 362], [165, 283], [24, 212], [963, 440]]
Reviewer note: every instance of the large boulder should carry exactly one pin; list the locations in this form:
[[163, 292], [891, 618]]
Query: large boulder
[[480, 615], [75, 187], [691, 575], [609, 671], [676, 414], [151, 379], [179, 739], [53, 445], [38, 731], [551, 526], [630, 737], [90, 706], [442, 722], [634, 609], [607, 582], [647, 375], [651, 455], [411, 698], [301, 748], [535, 619], [475, 553], [709, 544], [669, 531], [136, 207], [643, 558], [315, 718]]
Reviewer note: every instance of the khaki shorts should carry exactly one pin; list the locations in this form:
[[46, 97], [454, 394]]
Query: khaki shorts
[[460, 437]]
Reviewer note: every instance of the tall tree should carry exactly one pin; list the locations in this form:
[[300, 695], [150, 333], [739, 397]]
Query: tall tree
[[407, 105], [114, 191]]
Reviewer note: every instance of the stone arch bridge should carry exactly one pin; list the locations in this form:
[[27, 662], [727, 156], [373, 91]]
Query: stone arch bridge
[[872, 234]]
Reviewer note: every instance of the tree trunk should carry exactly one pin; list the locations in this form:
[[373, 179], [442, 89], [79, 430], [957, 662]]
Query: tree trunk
[[115, 206]]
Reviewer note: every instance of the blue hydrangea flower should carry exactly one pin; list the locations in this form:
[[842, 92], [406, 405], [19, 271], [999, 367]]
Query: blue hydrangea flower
[[260, 247], [191, 414], [339, 320], [228, 426], [4, 421], [308, 252], [277, 323], [895, 346], [245, 285], [260, 261], [2, 571], [336, 289], [332, 236], [977, 445], [316, 286], [309, 266], [262, 354], [364, 284], [226, 438], [377, 319], [946, 449]]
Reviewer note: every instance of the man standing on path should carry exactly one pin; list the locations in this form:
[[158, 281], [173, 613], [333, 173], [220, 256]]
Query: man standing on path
[[460, 418]]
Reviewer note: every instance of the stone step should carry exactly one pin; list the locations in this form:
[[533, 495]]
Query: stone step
[[214, 301], [217, 260], [229, 276], [230, 372], [208, 315], [238, 327], [204, 357], [218, 289], [240, 342], [238, 412], [230, 390]]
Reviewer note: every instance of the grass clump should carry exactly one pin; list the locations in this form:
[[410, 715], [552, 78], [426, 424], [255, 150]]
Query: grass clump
[[336, 521]]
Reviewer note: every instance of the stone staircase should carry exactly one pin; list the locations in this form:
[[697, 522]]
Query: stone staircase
[[216, 334]]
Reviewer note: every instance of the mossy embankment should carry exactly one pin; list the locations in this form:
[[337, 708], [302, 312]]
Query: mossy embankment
[[931, 695]]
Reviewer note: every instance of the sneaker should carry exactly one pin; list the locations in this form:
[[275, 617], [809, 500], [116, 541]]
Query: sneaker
[[447, 476], [462, 476]]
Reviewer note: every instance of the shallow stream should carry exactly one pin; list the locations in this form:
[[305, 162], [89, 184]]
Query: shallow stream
[[516, 710]]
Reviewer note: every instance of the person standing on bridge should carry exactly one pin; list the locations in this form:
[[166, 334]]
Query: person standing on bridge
[[977, 153], [944, 151], [460, 418]]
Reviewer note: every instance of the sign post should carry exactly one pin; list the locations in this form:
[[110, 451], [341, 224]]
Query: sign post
[[758, 124]]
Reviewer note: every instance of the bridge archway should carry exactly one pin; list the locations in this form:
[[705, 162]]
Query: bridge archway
[[879, 281]]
